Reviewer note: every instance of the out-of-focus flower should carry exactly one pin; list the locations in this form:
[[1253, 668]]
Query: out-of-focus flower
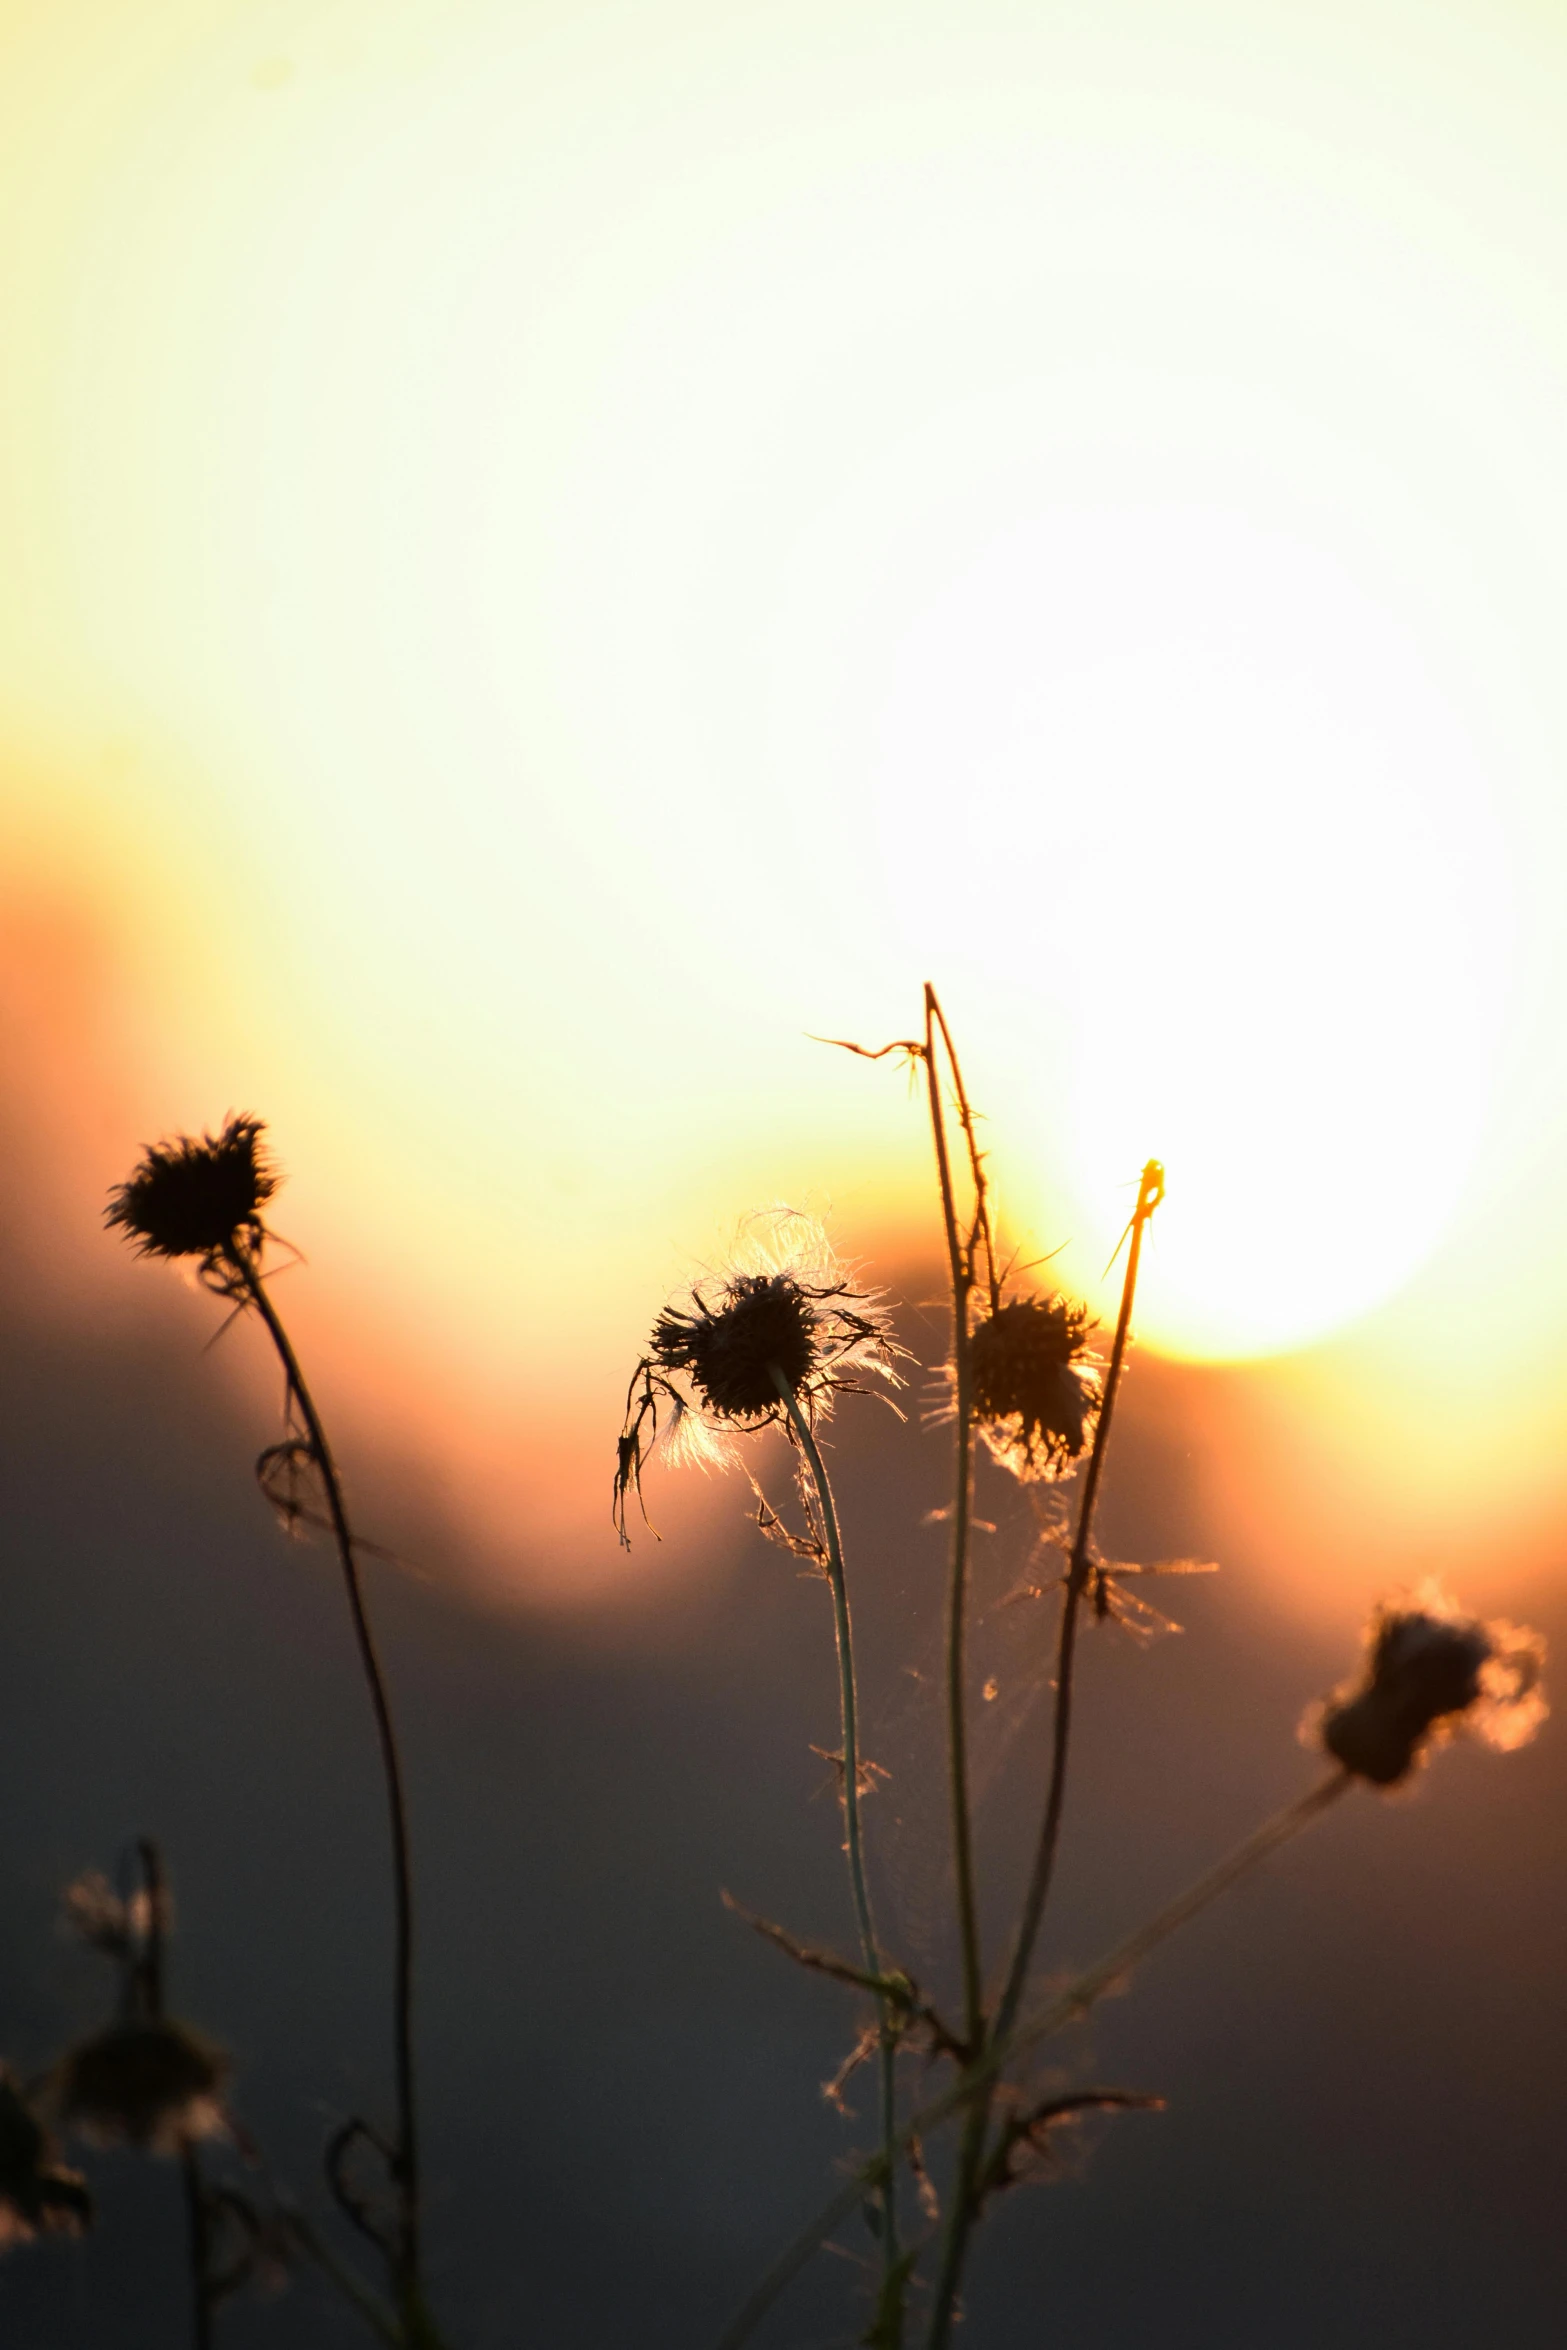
[[38, 2195], [117, 1925], [781, 1308], [152, 2084], [194, 1196], [1430, 1672], [1035, 1386]]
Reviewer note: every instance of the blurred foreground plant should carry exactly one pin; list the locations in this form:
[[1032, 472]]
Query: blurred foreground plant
[[768, 1343], [148, 2084]]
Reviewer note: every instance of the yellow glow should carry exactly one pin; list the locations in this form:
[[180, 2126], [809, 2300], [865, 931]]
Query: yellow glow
[[565, 548]]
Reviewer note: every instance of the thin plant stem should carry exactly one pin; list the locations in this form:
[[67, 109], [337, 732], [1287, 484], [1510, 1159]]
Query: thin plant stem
[[1067, 2007], [200, 2247], [405, 2167], [869, 1948], [961, 1267], [145, 1989], [315, 2247], [964, 2207], [1150, 1191], [147, 1968]]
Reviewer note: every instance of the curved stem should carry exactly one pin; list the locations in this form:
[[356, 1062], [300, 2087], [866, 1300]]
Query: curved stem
[[406, 2164], [200, 2247], [869, 1949], [146, 2002], [960, 1264], [1066, 2008], [1150, 1192], [963, 1267], [146, 1990]]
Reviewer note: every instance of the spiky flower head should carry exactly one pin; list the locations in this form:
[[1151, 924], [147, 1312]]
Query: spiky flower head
[[780, 1314], [1035, 1386], [197, 1195], [1429, 1673], [38, 2195], [150, 2083]]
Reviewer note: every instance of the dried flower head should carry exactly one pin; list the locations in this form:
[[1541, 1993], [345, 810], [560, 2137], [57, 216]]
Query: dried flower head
[[38, 2196], [1035, 1385], [197, 1195], [152, 2084], [116, 1924], [781, 1309], [1430, 1672]]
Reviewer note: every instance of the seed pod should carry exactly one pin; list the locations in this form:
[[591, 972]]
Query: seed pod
[[1035, 1387], [1430, 1672]]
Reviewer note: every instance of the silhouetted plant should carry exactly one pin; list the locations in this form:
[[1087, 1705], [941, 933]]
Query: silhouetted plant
[[1019, 1376], [770, 1341], [153, 2085], [201, 1198]]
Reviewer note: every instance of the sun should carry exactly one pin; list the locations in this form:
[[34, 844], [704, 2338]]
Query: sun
[[1194, 811]]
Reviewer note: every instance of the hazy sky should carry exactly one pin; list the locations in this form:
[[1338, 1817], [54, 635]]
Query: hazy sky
[[554, 550]]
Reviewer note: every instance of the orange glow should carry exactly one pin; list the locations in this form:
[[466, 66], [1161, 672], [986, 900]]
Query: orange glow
[[545, 568]]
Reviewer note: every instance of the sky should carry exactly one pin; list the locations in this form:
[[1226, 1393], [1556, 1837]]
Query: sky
[[556, 554]]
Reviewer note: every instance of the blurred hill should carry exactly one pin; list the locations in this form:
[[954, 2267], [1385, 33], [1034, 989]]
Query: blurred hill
[[1364, 2052]]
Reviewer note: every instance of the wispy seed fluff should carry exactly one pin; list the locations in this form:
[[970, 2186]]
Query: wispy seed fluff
[[1429, 1673], [1036, 1389], [38, 2195], [782, 1306]]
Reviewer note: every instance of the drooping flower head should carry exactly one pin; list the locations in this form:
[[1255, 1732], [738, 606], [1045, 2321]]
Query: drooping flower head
[[1431, 1672], [38, 2195], [195, 1196], [781, 1310], [152, 2084], [1036, 1388]]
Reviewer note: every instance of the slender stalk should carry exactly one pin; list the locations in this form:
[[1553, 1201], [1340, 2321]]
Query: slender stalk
[[405, 2166], [1150, 1192], [147, 1967], [144, 1987], [961, 1267], [869, 1948], [200, 2247], [963, 2210], [1066, 2008], [316, 2248]]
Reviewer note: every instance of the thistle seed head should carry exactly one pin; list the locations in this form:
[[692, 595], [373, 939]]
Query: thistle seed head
[[154, 2085], [1429, 1673], [1035, 1387], [782, 1307], [38, 2196], [731, 1344], [194, 1196]]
